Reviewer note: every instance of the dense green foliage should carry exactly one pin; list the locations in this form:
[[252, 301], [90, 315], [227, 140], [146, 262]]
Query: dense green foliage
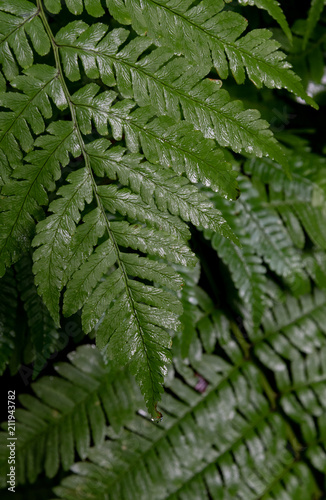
[[155, 192]]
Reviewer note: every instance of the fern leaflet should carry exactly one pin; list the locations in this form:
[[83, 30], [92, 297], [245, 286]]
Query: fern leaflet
[[160, 80], [274, 9], [206, 33]]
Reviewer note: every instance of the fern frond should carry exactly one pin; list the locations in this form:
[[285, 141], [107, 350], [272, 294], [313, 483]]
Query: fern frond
[[316, 8], [130, 205], [203, 324], [54, 234], [307, 174], [255, 218], [263, 235], [297, 326], [247, 272], [164, 82], [303, 401], [136, 336], [29, 109], [25, 194], [205, 33], [293, 346], [303, 390], [163, 141], [19, 27], [43, 336], [300, 201], [8, 310], [244, 263], [113, 246], [267, 234], [312, 219], [190, 455], [315, 265], [274, 9], [69, 411], [139, 314], [308, 61]]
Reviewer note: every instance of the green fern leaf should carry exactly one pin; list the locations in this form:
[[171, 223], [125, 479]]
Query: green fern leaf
[[162, 140], [170, 192], [53, 237], [163, 82], [8, 309], [185, 456], [70, 411], [205, 33], [86, 278], [303, 401], [312, 219], [267, 235], [28, 109], [247, 272], [19, 18], [315, 11], [76, 7], [82, 242], [42, 333], [140, 322], [152, 242], [140, 315], [130, 205], [300, 201], [258, 226], [292, 344], [315, 265], [200, 319], [26, 192], [142, 133], [307, 171], [296, 326], [274, 9]]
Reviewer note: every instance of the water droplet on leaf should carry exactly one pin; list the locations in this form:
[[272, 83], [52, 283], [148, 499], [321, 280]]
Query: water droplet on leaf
[[158, 416], [157, 420]]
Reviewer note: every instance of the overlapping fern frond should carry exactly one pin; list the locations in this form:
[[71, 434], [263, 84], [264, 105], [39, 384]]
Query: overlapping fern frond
[[280, 223], [43, 336], [8, 311], [188, 458], [189, 454], [70, 411], [190, 447]]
